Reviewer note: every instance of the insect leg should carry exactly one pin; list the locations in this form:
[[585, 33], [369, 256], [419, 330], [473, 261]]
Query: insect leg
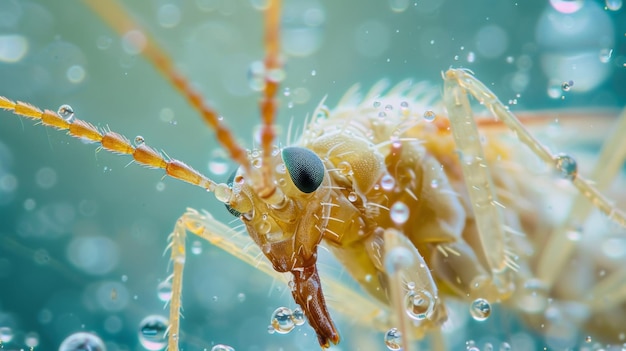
[[558, 247], [119, 20], [177, 256], [465, 81], [414, 295], [478, 180], [342, 298]]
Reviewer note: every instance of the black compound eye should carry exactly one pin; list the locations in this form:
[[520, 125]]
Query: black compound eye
[[229, 182], [305, 168]]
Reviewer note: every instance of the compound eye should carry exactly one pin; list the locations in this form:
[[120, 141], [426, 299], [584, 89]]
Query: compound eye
[[230, 181], [305, 168]]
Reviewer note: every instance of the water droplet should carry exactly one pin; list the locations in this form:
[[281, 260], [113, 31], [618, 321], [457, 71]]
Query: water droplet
[[399, 5], [66, 112], [377, 104], [566, 166], [480, 309], [419, 304], [397, 259], [75, 74], [387, 182], [588, 339], [393, 339], [6, 334], [505, 346], [218, 162], [222, 347], [388, 107], [256, 76], [298, 316], [282, 320], [168, 15], [82, 341], [31, 340], [382, 114], [613, 5], [139, 140], [164, 291], [429, 116], [471, 57], [434, 183], [567, 86], [399, 212], [567, 6], [152, 332], [276, 75], [352, 196], [241, 297], [270, 329], [196, 247]]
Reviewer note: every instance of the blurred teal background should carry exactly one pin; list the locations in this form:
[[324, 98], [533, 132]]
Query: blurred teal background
[[77, 226]]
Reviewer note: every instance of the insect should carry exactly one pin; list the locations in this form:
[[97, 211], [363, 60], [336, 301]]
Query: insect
[[397, 106]]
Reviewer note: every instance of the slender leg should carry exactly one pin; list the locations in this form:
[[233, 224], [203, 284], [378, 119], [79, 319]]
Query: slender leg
[[457, 82], [559, 248], [478, 180], [342, 299], [414, 295], [119, 20]]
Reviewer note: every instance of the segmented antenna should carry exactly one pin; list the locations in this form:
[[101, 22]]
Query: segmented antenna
[[109, 141], [119, 19]]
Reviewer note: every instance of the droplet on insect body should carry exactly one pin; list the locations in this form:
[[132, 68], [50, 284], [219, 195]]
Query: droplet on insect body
[[387, 182], [480, 309], [419, 304], [152, 332], [566, 166], [399, 213], [139, 140], [393, 339], [66, 112], [352, 197], [222, 347], [282, 320], [429, 116], [82, 341], [397, 259]]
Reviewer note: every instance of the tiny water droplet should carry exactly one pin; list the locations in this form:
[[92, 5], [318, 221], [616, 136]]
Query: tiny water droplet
[[419, 304], [377, 104], [566, 166], [282, 320], [399, 212], [480, 309], [387, 182], [298, 316], [66, 112], [222, 347], [567, 86], [429, 116], [393, 339], [139, 140], [352, 196]]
